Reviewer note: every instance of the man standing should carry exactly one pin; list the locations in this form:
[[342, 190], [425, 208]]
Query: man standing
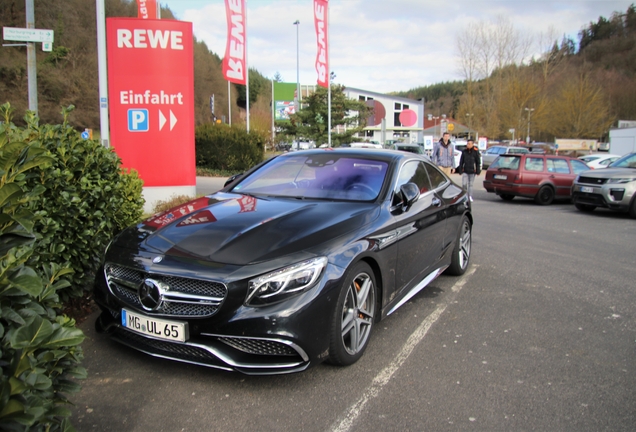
[[443, 154], [469, 166]]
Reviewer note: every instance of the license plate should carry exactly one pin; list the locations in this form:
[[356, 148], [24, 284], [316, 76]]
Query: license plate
[[500, 177], [158, 328], [587, 189]]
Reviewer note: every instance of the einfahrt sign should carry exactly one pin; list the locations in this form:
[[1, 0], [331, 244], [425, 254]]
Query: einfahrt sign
[[151, 92]]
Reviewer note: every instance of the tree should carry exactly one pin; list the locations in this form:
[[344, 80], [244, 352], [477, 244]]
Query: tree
[[348, 117], [579, 110]]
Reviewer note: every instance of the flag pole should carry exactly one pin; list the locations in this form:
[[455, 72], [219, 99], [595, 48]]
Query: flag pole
[[247, 75], [328, 82]]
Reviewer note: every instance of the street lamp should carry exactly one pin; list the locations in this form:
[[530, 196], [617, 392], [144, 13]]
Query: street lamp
[[470, 128], [297, 24], [529, 113], [435, 118]]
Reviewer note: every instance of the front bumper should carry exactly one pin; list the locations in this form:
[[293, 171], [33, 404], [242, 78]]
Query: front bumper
[[285, 337], [613, 196]]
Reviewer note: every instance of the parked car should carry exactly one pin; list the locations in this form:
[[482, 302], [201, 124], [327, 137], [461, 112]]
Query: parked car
[[407, 147], [613, 187], [489, 156], [365, 145], [542, 177], [596, 161], [290, 264]]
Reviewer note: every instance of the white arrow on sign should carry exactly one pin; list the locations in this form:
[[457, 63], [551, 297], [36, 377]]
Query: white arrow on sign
[[162, 120]]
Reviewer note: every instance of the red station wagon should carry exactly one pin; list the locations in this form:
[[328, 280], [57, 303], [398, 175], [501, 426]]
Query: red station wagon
[[542, 177]]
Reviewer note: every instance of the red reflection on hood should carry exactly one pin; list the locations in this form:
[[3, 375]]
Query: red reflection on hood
[[164, 218]]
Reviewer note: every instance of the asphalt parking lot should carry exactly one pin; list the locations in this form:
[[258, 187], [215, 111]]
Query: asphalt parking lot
[[540, 334]]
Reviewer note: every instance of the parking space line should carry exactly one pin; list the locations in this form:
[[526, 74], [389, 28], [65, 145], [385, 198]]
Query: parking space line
[[344, 423]]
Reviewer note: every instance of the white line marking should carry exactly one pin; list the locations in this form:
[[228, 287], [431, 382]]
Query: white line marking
[[381, 379]]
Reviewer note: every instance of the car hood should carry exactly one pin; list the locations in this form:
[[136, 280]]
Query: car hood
[[609, 173], [240, 229]]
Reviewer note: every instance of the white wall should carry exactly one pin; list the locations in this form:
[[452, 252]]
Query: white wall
[[622, 141]]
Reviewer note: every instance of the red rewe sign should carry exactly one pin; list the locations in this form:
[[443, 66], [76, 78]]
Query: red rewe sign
[[321, 23], [151, 93]]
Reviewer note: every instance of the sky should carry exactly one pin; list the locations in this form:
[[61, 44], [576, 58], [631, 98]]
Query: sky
[[381, 45]]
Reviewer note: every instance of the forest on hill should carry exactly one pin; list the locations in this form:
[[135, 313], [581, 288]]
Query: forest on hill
[[572, 89]]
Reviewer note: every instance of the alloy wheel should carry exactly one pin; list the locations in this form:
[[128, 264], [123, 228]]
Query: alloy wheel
[[357, 313]]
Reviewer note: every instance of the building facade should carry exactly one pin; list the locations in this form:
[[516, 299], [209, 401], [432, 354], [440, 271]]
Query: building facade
[[394, 118]]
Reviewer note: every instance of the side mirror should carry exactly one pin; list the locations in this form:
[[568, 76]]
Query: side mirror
[[410, 194], [231, 179]]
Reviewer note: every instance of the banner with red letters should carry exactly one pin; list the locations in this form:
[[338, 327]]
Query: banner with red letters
[[321, 18], [147, 9], [235, 60], [151, 93]]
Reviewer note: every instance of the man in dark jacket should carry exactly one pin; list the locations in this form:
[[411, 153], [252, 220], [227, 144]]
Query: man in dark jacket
[[469, 166]]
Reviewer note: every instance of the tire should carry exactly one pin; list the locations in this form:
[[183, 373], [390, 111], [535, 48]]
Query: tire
[[507, 197], [461, 251], [585, 207], [545, 196], [354, 316], [632, 208]]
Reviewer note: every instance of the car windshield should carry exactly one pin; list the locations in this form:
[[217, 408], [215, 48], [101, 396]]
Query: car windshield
[[506, 162], [322, 176], [627, 161]]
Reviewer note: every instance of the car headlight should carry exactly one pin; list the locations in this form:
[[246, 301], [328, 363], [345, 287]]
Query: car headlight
[[284, 283], [621, 180]]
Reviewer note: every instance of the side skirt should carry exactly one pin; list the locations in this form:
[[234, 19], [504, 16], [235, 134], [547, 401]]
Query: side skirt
[[417, 288]]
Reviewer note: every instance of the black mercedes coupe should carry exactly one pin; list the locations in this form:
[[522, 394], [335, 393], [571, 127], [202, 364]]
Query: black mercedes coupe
[[291, 264]]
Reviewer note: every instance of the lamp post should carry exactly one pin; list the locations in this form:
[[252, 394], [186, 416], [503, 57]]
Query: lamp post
[[297, 24], [529, 113], [297, 98], [470, 128], [436, 118]]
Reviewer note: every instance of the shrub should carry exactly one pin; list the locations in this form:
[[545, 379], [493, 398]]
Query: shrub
[[87, 199], [39, 351], [230, 148]]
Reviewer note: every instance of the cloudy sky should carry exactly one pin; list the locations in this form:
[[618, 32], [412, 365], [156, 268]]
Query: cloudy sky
[[381, 45]]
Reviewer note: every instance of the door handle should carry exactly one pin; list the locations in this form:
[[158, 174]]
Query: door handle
[[552, 176], [436, 202]]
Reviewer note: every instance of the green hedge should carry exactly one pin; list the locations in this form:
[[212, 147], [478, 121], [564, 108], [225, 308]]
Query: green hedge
[[230, 148], [87, 198], [39, 350]]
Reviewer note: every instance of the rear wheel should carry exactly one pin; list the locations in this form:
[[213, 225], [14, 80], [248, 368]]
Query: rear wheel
[[585, 207], [507, 197], [545, 196], [462, 249], [354, 317]]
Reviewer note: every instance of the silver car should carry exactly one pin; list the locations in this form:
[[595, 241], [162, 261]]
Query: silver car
[[491, 154], [613, 187]]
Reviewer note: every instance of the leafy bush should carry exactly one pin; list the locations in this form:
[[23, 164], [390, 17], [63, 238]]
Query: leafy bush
[[87, 198], [229, 148], [39, 351]]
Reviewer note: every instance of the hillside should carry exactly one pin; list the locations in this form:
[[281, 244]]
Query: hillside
[[68, 74], [575, 89]]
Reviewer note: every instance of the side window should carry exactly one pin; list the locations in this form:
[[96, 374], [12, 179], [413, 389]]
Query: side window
[[437, 178], [559, 166], [414, 172], [534, 164], [578, 167]]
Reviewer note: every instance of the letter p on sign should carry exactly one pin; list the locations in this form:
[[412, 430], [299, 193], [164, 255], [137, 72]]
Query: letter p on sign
[[138, 120]]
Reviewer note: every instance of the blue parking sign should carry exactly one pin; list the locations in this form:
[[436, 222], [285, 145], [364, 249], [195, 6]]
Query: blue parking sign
[[137, 120]]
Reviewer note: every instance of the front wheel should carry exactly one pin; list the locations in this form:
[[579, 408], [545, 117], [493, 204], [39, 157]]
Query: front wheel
[[545, 196], [462, 249], [354, 316]]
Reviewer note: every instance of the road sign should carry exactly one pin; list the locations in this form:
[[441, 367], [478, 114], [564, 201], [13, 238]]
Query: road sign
[[451, 127], [27, 34], [151, 98]]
